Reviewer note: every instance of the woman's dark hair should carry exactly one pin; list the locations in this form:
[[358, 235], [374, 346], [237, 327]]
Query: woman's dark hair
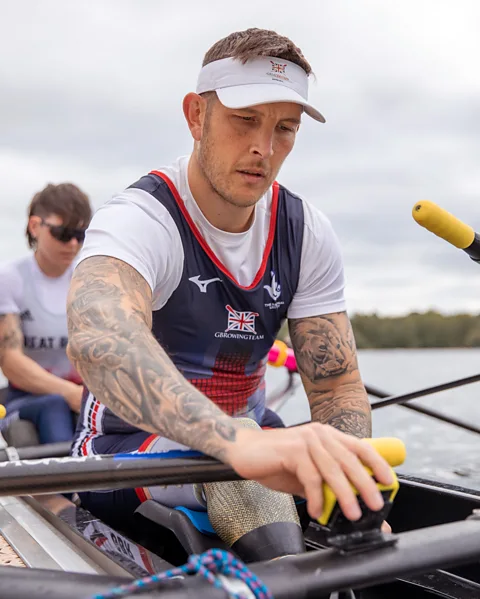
[[66, 201]]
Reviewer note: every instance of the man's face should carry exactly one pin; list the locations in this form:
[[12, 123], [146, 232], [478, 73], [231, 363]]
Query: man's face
[[241, 151]]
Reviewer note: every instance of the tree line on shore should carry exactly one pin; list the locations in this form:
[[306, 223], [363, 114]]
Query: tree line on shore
[[414, 330]]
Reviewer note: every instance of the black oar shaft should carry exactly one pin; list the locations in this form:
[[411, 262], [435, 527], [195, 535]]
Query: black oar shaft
[[422, 410], [65, 475], [447, 419], [400, 399], [426, 411]]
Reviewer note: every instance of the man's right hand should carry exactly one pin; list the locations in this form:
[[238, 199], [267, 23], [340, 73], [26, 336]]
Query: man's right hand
[[73, 396], [298, 460]]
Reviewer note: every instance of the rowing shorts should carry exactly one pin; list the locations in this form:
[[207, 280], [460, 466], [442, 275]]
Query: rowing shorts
[[104, 504]]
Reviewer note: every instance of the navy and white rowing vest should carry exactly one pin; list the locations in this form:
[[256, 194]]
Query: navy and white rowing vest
[[218, 333]]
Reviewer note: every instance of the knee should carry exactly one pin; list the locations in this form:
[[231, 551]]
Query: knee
[[54, 398], [271, 420], [54, 402]]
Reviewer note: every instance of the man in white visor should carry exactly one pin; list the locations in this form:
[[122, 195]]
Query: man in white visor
[[211, 254]]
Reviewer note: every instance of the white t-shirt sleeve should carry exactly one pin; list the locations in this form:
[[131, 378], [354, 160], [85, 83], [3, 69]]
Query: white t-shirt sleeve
[[322, 281], [11, 285], [137, 229]]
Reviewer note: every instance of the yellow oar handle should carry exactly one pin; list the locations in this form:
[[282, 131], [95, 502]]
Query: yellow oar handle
[[394, 452], [3, 411], [391, 449], [442, 223]]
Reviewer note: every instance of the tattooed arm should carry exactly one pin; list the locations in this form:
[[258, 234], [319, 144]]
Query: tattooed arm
[[23, 372], [11, 337], [110, 343], [326, 356]]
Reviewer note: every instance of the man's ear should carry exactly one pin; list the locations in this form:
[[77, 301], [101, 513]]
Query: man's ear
[[195, 109]]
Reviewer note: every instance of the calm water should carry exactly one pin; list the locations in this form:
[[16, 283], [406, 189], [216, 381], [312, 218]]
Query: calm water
[[434, 449]]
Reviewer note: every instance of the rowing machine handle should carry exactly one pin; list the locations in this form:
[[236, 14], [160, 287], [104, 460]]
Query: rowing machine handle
[[443, 224]]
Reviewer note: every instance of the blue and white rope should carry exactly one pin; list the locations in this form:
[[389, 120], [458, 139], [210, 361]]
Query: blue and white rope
[[210, 565]]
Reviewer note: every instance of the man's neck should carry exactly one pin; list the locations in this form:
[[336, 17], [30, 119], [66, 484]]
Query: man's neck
[[48, 268], [220, 213]]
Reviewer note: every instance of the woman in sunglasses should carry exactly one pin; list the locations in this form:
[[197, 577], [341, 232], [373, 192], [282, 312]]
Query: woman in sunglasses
[[43, 387]]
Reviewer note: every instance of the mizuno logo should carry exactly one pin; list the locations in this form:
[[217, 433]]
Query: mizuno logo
[[202, 285]]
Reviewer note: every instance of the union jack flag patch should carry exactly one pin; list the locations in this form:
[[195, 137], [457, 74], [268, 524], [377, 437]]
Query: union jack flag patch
[[241, 321], [278, 67]]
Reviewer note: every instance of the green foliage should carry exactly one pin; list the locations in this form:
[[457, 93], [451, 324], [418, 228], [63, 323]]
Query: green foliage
[[427, 329]]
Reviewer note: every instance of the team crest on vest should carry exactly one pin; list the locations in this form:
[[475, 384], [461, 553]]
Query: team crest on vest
[[274, 290]]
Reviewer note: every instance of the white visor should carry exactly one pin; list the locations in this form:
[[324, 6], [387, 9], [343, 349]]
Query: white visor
[[262, 80]]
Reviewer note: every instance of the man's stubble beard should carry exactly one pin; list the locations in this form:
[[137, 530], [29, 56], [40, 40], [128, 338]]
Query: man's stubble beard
[[211, 173]]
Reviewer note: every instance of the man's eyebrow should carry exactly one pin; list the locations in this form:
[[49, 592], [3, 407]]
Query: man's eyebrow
[[254, 112], [292, 120]]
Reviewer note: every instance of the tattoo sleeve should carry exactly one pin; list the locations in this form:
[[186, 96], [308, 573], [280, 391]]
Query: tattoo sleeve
[[111, 345], [11, 336], [326, 356]]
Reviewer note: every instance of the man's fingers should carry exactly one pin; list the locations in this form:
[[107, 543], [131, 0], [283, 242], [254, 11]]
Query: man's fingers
[[310, 478], [334, 476], [356, 474], [369, 457], [300, 460]]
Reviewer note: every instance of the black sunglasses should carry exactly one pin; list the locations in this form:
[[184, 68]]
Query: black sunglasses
[[65, 234]]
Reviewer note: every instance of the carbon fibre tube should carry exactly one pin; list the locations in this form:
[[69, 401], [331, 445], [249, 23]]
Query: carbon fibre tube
[[300, 577], [65, 475], [125, 471], [35, 452]]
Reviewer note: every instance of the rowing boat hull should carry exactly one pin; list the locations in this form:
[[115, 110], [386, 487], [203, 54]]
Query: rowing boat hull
[[141, 547]]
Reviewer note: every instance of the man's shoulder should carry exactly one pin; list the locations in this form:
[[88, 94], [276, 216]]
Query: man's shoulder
[[174, 172], [143, 194], [149, 183], [289, 193], [314, 217]]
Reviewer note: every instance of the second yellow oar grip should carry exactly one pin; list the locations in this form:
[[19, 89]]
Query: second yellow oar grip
[[442, 223], [391, 449]]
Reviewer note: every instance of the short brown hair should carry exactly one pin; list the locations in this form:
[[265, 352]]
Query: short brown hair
[[251, 43], [66, 201]]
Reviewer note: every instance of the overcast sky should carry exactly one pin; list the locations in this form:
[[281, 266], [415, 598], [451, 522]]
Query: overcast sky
[[90, 92]]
